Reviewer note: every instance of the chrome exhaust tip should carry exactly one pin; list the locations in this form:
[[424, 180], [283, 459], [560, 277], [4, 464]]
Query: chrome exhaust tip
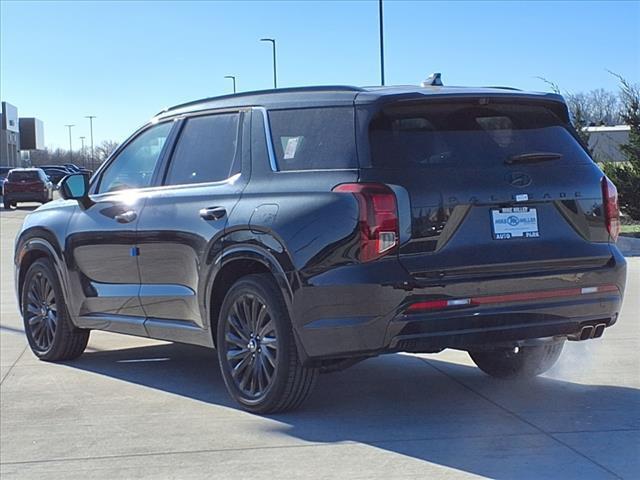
[[586, 332], [599, 330]]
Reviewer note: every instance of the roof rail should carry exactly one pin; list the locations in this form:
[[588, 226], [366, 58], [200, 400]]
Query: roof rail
[[504, 88], [325, 88]]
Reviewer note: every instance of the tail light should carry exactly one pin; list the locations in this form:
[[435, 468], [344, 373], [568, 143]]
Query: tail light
[[611, 208], [378, 220]]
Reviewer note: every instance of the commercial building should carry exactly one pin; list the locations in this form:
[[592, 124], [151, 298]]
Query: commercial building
[[605, 142], [9, 136], [31, 134], [18, 137]]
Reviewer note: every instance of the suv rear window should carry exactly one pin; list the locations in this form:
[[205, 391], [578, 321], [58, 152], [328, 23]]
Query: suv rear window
[[18, 176], [314, 138], [465, 134]]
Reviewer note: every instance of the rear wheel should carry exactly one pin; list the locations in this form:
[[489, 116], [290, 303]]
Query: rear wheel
[[257, 351], [523, 363], [7, 204], [50, 333]]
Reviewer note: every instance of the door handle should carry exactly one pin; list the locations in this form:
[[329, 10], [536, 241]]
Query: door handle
[[126, 217], [213, 213]]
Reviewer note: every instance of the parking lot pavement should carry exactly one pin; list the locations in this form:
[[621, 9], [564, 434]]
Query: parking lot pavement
[[137, 408]]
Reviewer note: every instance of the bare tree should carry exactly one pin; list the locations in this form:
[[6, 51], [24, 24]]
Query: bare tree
[[60, 156], [105, 149], [597, 107], [603, 107]]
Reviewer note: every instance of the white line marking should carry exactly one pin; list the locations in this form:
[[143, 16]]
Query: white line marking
[[138, 360]]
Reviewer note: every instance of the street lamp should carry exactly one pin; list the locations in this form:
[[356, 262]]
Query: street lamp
[[91, 117], [84, 163], [273, 43], [232, 77], [381, 42], [70, 145]]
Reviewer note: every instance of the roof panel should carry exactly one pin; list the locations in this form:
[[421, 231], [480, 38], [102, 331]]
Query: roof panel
[[333, 95]]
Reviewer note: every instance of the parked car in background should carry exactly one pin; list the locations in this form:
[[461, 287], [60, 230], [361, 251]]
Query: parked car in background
[[55, 173], [4, 171], [75, 168], [27, 185], [301, 230]]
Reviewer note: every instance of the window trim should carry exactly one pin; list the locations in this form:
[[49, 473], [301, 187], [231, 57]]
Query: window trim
[[97, 177], [267, 132], [182, 121]]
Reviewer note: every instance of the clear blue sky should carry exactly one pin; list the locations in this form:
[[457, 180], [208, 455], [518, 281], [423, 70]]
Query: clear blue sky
[[124, 61]]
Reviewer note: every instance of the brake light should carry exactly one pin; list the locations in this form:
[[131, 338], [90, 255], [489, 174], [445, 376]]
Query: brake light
[[378, 220], [611, 208]]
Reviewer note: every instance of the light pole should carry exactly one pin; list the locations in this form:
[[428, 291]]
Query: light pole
[[273, 43], [381, 24], [70, 145], [232, 77], [91, 117], [84, 163]]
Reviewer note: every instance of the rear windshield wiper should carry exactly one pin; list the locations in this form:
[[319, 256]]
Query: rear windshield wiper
[[532, 157]]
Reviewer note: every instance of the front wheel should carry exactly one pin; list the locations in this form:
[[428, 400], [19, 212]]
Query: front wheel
[[50, 332], [523, 362], [256, 349]]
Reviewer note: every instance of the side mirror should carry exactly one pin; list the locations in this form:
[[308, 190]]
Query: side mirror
[[75, 187]]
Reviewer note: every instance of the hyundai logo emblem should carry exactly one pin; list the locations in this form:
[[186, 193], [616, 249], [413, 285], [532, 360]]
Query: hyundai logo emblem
[[518, 179]]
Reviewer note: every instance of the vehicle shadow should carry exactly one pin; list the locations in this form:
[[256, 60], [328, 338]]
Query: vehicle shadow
[[427, 409], [24, 208]]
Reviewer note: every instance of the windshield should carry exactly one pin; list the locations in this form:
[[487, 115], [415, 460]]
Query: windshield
[[465, 134]]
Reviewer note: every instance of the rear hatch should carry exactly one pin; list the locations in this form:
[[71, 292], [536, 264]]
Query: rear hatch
[[496, 187], [24, 181]]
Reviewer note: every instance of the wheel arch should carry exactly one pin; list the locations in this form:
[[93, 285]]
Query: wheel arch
[[31, 246], [235, 263]]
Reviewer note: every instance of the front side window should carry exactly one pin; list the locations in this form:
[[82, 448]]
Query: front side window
[[314, 138], [207, 150], [134, 166]]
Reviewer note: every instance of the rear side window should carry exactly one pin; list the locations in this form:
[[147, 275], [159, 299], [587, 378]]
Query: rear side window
[[25, 175], [313, 138], [463, 134], [207, 150]]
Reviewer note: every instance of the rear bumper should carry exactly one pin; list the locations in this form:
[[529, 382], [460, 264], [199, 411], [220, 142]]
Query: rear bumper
[[359, 319], [481, 326], [26, 196]]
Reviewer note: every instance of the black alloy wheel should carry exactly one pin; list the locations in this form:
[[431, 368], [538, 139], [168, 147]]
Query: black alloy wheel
[[41, 314], [251, 345], [257, 352], [50, 332]]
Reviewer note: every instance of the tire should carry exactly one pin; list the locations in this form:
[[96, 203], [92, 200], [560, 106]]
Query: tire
[[7, 204], [526, 363], [246, 358], [50, 332]]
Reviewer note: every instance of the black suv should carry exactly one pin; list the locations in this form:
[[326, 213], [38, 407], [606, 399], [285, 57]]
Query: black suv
[[302, 230]]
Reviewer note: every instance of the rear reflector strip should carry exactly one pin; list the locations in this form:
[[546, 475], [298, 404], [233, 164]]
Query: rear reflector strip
[[508, 298]]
